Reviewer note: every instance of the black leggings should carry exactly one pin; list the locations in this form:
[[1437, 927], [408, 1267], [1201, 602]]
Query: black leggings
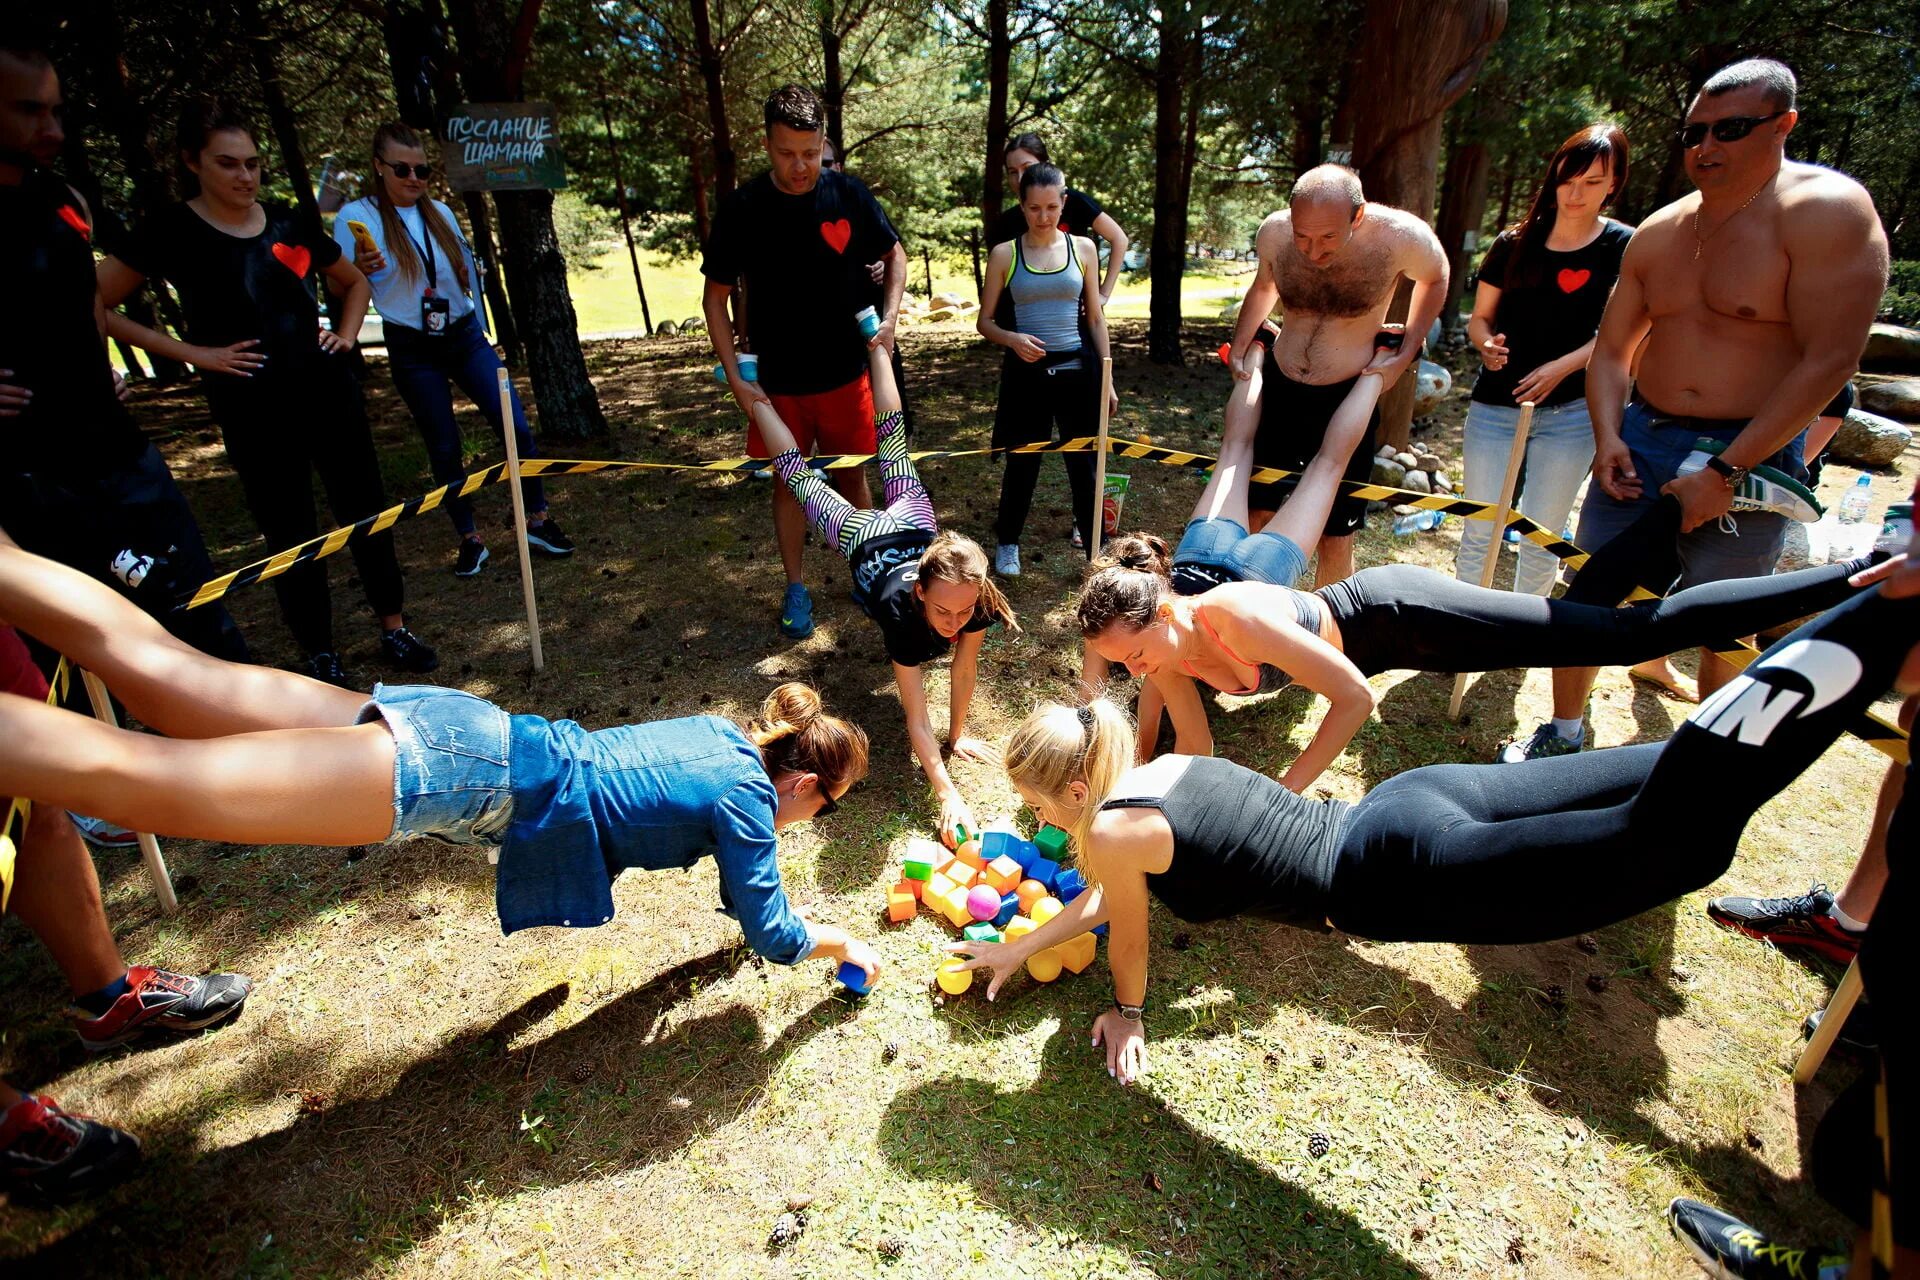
[[1405, 616], [1034, 400], [1514, 853]]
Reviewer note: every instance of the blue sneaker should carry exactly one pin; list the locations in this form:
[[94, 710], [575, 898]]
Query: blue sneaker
[[796, 612]]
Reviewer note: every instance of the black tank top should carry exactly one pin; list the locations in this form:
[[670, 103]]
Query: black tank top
[[1243, 845]]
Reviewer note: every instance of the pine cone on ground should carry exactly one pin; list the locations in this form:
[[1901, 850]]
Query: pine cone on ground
[[1318, 1144]]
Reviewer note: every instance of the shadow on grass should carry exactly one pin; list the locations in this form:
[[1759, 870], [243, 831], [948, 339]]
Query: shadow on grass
[[369, 1179], [1122, 1170]]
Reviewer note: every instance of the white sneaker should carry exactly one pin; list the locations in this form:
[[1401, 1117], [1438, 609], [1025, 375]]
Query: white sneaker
[[1896, 531], [1763, 488], [1006, 560]]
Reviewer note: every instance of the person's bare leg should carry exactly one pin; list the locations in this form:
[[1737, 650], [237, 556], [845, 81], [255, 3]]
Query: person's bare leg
[[1662, 672], [57, 895], [1304, 516], [250, 788], [852, 484], [1572, 686], [1225, 497]]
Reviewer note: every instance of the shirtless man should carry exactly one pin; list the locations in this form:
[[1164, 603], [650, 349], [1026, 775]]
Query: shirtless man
[[1332, 261], [1753, 297]]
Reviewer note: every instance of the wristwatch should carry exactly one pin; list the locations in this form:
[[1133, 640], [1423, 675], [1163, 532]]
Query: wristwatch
[[1131, 1012], [1726, 470]]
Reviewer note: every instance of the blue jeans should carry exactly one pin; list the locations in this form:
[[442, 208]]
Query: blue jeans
[[1712, 553], [452, 779], [424, 371], [1226, 547], [1559, 455]]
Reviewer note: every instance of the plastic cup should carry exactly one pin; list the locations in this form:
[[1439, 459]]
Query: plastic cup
[[869, 321]]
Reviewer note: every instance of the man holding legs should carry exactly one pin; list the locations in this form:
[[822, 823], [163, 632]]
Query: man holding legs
[[1331, 261]]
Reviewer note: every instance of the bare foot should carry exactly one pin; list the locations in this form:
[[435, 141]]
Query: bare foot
[[1660, 673]]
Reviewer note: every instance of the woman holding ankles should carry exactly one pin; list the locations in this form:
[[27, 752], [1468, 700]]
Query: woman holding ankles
[[249, 748], [1469, 854]]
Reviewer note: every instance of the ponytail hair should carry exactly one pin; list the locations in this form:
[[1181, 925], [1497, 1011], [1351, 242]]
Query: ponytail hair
[[401, 250], [954, 557], [1041, 175], [203, 118], [1126, 585], [1060, 744], [796, 735]]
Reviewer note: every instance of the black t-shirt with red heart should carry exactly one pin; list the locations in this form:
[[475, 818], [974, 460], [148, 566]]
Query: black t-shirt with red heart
[[240, 287], [804, 259], [1548, 307]]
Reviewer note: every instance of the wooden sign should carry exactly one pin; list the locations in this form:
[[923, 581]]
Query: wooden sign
[[503, 146]]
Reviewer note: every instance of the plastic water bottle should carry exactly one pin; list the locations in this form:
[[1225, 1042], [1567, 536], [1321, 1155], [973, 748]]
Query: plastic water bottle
[[1855, 534], [1418, 522]]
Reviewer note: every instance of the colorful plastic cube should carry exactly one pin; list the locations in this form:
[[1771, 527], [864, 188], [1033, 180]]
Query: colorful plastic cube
[[954, 907], [902, 905], [982, 902], [853, 978], [1100, 930], [1045, 965], [939, 885], [1044, 870], [916, 869], [959, 872], [1018, 927], [1009, 908], [953, 978], [1077, 952], [1069, 884], [1052, 843], [1030, 892], [980, 931], [1046, 909], [1005, 844], [1003, 873], [970, 854], [914, 887]]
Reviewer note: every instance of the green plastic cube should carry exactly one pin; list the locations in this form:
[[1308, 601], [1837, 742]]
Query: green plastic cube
[[1052, 842], [917, 871], [983, 931]]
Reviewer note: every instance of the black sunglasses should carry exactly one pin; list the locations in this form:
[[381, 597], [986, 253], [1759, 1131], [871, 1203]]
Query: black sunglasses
[[420, 171], [1732, 129], [827, 808]]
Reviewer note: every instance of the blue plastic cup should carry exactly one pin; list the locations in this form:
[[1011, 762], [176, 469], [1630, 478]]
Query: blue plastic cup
[[869, 321]]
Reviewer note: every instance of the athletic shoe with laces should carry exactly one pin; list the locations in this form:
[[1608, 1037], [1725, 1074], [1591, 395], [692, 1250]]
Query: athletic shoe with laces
[[47, 1155], [1860, 1032], [1728, 1249], [1006, 560], [471, 559], [102, 834], [1763, 488], [160, 1000], [1545, 742], [796, 612], [326, 667], [548, 537], [408, 651], [1805, 920]]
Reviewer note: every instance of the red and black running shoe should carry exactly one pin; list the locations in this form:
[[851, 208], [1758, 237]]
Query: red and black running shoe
[[160, 1000], [1803, 921], [47, 1155]]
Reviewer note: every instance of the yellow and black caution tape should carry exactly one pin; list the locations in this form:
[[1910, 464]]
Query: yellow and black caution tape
[[1886, 737], [21, 810]]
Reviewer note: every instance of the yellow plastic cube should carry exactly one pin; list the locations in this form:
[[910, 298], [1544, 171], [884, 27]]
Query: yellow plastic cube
[[1077, 952], [1003, 873], [970, 854], [1045, 965], [939, 885], [954, 907], [961, 873], [1018, 927]]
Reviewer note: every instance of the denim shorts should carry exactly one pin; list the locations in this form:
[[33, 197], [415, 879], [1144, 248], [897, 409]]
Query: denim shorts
[[452, 779], [1225, 546]]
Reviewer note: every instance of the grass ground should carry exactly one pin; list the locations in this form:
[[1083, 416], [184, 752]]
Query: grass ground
[[409, 1094]]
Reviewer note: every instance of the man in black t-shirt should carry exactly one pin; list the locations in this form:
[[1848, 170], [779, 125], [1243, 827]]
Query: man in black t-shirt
[[799, 237], [79, 483]]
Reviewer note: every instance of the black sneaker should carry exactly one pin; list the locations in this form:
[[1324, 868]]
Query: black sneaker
[[326, 667], [408, 651], [47, 1155], [472, 557], [547, 536], [1728, 1249], [161, 1000], [1859, 1032], [1805, 920]]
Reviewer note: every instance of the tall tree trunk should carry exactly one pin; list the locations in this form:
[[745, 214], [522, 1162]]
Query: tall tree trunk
[[1506, 195], [626, 212], [993, 179], [1463, 204], [494, 48], [1171, 70], [506, 328], [833, 93], [1431, 51], [724, 161], [261, 43], [696, 172]]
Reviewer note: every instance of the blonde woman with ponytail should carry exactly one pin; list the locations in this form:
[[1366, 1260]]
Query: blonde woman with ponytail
[[928, 590], [251, 752]]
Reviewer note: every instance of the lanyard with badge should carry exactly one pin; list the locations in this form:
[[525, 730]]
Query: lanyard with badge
[[435, 310]]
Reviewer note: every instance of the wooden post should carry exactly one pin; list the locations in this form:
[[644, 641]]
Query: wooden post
[[1845, 996], [520, 520], [1100, 464], [149, 847], [1515, 457]]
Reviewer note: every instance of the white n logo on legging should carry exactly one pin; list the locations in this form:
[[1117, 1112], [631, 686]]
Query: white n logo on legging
[[1755, 703]]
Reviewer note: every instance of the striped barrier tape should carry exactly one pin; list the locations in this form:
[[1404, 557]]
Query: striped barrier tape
[[21, 810]]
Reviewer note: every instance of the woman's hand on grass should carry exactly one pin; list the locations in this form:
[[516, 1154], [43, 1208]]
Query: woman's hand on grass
[[1125, 1041]]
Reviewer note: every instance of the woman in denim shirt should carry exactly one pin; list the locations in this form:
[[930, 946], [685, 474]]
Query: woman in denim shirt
[[568, 809]]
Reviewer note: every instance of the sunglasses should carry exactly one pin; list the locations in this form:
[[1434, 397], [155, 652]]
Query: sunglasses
[[827, 809], [1732, 129], [420, 171]]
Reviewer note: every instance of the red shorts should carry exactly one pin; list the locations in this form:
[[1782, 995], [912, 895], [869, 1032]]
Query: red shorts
[[17, 672], [836, 421]]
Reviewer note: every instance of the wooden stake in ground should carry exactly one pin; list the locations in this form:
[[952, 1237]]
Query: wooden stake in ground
[[520, 520], [1515, 457], [1100, 463], [149, 847]]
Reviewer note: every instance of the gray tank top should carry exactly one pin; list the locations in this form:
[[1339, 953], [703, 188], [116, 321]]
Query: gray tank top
[[1046, 304]]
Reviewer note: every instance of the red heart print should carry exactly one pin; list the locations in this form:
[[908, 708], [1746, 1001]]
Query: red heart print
[[1571, 280], [294, 257], [71, 216], [837, 234], [1065, 230]]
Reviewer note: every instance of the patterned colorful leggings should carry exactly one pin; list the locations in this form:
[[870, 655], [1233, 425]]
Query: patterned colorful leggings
[[847, 526]]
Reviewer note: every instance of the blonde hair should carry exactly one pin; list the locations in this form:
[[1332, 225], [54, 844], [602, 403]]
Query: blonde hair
[[1059, 744], [956, 558], [796, 735]]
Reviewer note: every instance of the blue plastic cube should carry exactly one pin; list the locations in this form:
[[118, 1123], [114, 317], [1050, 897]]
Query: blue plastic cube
[[1099, 931], [999, 844], [853, 978], [1009, 908], [1069, 884], [1043, 870]]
